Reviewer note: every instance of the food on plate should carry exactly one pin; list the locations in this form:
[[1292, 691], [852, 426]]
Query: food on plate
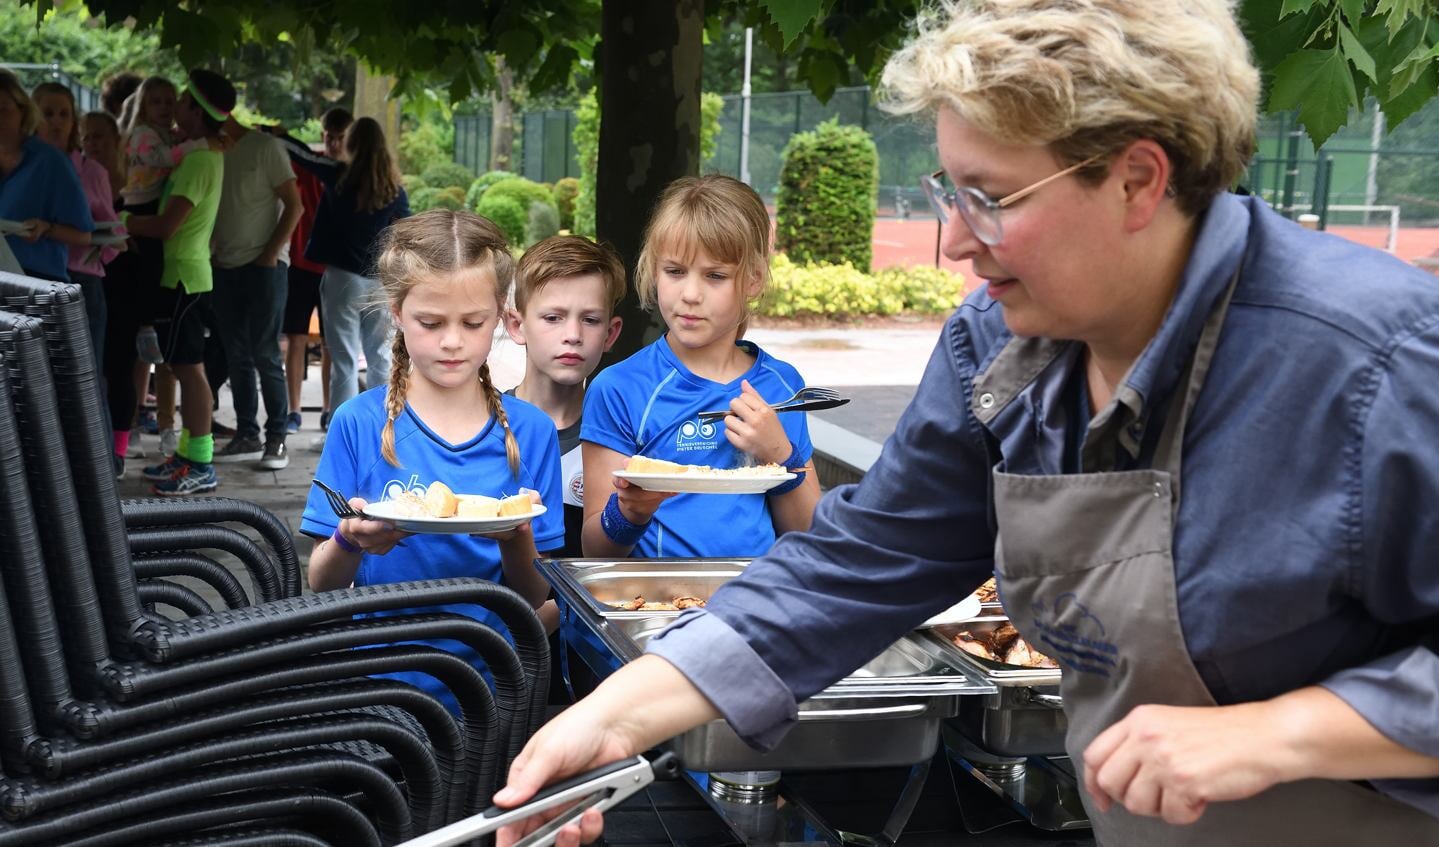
[[440, 501], [477, 507], [640, 604], [1004, 645], [988, 591], [520, 504], [644, 464]]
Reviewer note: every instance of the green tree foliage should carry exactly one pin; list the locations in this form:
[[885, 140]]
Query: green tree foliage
[[522, 191], [544, 221], [566, 190], [426, 140], [482, 184], [827, 195], [507, 214], [842, 291], [448, 175]]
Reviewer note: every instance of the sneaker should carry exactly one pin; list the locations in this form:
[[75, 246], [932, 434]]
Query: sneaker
[[220, 430], [189, 479], [148, 424], [325, 420], [242, 448], [276, 456], [119, 462], [164, 470], [317, 445], [147, 345], [169, 441], [136, 451], [293, 422]]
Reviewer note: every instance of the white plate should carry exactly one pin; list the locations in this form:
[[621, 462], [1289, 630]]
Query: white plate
[[390, 510], [964, 610], [693, 483], [9, 227]]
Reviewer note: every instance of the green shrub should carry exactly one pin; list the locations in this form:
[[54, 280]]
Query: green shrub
[[425, 142], [828, 187], [413, 182], [423, 199], [481, 184], [544, 222], [566, 190], [522, 191], [842, 291], [507, 214], [448, 175], [451, 198]]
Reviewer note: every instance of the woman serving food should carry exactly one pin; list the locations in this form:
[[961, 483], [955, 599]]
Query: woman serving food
[[1191, 438]]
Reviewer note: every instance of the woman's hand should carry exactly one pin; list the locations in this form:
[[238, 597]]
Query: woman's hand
[[35, 229], [752, 426], [637, 504], [1172, 762], [374, 537]]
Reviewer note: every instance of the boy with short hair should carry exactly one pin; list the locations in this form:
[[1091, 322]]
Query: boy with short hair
[[566, 291]]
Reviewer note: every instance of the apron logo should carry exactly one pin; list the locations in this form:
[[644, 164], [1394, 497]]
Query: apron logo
[[1074, 636]]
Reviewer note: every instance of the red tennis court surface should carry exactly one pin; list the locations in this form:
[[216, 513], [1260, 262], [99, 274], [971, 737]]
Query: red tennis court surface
[[911, 242]]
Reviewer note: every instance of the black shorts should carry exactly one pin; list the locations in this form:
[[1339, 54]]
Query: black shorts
[[180, 321], [303, 299]]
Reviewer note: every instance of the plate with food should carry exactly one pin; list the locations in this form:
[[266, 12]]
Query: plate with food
[[672, 477], [440, 510]]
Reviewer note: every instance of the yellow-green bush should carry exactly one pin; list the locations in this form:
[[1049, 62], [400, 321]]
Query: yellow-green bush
[[844, 291]]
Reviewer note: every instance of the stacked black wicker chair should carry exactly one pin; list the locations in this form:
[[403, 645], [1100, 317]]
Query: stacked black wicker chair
[[127, 727]]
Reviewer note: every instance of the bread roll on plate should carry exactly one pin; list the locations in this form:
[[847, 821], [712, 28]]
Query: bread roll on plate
[[440, 501], [644, 464], [520, 504], [477, 506]]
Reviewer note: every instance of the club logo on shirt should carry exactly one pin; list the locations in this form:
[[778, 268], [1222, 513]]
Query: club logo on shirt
[[394, 488], [694, 435], [577, 489]]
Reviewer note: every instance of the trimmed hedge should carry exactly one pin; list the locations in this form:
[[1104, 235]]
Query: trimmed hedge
[[828, 189], [448, 175], [843, 291], [424, 199], [482, 184], [544, 221], [507, 214], [566, 190], [522, 191]]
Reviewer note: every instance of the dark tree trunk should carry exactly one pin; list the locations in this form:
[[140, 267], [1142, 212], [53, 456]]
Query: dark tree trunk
[[649, 129], [502, 117]]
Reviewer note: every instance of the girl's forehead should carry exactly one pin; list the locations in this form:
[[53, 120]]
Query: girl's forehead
[[464, 291]]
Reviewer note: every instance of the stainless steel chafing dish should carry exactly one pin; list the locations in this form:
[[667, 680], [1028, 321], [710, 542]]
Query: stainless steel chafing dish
[[1024, 716], [888, 712]]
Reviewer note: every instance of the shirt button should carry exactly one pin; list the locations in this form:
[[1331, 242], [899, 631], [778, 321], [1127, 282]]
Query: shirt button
[[1158, 489], [986, 400]]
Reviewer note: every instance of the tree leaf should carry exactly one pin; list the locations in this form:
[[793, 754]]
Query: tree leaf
[[792, 16], [1356, 54], [554, 72], [1420, 91], [1292, 6], [1318, 84], [1409, 70], [1353, 10]]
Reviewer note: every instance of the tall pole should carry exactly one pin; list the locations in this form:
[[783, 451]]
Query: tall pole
[[1371, 180], [744, 110]]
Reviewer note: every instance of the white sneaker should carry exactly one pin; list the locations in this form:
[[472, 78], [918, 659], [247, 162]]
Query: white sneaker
[[136, 451], [317, 445], [169, 441]]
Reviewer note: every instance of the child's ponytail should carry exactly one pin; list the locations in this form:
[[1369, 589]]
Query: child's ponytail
[[395, 398], [497, 411]]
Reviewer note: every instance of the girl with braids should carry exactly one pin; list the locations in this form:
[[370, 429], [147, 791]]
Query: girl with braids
[[445, 277]]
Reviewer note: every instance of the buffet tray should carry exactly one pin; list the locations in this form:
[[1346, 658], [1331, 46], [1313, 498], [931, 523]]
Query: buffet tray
[[888, 712]]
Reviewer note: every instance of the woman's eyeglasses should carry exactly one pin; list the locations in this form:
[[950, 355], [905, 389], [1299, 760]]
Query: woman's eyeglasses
[[979, 210]]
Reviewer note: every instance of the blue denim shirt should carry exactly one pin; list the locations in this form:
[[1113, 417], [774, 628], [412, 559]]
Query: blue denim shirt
[[1306, 537]]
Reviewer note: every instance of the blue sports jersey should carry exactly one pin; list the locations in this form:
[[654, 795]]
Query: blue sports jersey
[[352, 464], [649, 404]]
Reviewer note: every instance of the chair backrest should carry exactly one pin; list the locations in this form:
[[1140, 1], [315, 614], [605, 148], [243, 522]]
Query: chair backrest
[[66, 561], [87, 444]]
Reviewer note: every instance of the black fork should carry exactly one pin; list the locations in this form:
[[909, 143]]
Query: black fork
[[338, 503]]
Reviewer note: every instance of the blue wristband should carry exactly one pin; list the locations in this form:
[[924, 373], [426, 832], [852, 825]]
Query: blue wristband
[[618, 527], [799, 475], [346, 544]]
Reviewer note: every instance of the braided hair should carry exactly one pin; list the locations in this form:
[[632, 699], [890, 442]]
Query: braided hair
[[440, 241]]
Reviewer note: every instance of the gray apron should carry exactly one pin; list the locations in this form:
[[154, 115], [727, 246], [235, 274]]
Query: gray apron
[[1086, 566]]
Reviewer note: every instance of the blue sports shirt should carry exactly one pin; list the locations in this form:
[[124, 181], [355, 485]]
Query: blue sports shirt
[[648, 405], [44, 186], [352, 464]]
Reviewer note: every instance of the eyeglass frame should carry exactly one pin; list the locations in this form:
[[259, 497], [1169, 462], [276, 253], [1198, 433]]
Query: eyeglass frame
[[941, 200]]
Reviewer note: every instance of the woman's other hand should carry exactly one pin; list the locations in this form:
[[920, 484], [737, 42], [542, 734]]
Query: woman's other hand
[[753, 427], [374, 537]]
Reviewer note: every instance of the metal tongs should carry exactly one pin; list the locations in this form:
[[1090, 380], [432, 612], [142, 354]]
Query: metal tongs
[[599, 789], [805, 400]]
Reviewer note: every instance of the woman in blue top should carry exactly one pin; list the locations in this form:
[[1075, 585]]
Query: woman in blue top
[[1194, 441], [363, 195], [446, 276], [39, 188], [706, 258]]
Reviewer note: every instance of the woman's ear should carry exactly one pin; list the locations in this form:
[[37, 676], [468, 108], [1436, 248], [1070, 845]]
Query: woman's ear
[[515, 326], [1144, 170]]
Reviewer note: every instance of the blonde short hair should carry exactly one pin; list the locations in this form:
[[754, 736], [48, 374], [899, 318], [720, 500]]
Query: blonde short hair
[[29, 114], [562, 256], [1087, 77], [717, 214]]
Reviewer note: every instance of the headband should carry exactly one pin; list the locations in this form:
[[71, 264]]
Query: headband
[[204, 103]]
